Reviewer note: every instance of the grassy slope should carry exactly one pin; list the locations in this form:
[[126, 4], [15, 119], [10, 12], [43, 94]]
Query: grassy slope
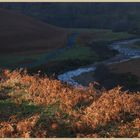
[[31, 106]]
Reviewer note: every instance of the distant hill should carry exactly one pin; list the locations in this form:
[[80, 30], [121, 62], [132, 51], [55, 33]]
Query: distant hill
[[115, 16], [22, 33]]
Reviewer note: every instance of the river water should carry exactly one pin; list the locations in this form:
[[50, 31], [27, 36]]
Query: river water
[[125, 54]]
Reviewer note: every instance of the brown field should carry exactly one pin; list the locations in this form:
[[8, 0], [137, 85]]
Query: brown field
[[132, 66], [34, 106], [22, 33]]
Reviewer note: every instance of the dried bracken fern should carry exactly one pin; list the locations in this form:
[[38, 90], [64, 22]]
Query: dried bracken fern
[[41, 107]]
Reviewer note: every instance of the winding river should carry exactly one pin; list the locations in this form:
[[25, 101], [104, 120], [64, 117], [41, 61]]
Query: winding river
[[125, 54]]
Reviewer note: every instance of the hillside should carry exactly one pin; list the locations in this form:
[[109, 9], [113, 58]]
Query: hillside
[[126, 67], [34, 106], [84, 15], [22, 33]]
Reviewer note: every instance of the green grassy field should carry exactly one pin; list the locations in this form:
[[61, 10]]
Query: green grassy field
[[77, 52]]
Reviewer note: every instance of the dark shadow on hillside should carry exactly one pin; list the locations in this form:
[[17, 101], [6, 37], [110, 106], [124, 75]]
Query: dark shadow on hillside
[[109, 80], [8, 109]]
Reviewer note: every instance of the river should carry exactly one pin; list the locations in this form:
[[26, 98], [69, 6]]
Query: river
[[125, 54]]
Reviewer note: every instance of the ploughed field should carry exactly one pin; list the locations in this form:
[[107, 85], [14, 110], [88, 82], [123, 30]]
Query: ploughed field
[[20, 33]]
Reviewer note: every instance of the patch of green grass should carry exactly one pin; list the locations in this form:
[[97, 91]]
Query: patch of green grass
[[11, 60], [107, 33], [88, 36], [9, 108], [111, 36], [77, 52], [51, 109]]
